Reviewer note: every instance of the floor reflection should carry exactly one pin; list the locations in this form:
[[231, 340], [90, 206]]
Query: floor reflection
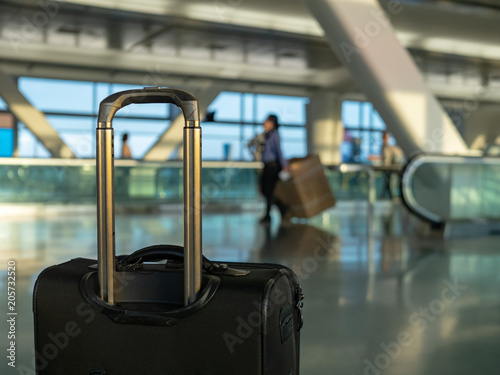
[[298, 240], [361, 300]]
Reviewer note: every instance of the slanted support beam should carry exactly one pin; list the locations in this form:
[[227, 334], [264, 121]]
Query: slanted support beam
[[171, 139], [34, 120], [360, 33]]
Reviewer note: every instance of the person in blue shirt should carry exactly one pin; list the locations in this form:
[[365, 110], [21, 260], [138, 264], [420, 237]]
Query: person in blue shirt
[[274, 162]]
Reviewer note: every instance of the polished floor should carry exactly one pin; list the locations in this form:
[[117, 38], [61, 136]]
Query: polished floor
[[394, 304]]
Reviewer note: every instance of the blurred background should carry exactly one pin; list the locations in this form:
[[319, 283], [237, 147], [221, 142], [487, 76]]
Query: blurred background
[[398, 99]]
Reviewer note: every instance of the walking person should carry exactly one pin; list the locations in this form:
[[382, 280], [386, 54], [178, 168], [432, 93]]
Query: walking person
[[126, 153], [392, 156], [123, 173], [274, 162]]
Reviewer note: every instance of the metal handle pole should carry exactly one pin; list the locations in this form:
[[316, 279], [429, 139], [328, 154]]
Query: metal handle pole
[[192, 186], [192, 211], [105, 212]]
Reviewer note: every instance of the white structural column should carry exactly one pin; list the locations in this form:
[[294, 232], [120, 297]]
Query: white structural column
[[360, 33], [171, 139], [325, 131], [34, 120]]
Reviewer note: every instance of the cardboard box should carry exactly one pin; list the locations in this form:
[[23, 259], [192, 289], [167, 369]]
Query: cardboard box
[[307, 192]]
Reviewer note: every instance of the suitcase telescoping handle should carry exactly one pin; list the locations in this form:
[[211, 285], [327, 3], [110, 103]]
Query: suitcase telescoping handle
[[192, 186]]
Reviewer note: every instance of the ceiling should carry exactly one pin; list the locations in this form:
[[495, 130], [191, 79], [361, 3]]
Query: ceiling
[[462, 28], [446, 38]]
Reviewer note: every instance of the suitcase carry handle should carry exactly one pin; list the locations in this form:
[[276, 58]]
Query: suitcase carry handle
[[192, 186], [158, 253]]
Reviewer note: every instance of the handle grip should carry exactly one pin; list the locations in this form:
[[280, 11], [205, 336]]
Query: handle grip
[[192, 186], [186, 101], [157, 253]]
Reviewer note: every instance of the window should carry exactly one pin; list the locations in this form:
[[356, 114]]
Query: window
[[351, 114], [142, 134], [76, 132], [363, 132], [29, 146], [71, 107], [3, 105], [221, 141], [51, 95], [227, 106], [293, 142], [249, 104], [238, 117], [289, 110]]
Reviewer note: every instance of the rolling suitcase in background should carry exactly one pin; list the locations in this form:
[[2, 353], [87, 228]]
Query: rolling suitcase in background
[[136, 315]]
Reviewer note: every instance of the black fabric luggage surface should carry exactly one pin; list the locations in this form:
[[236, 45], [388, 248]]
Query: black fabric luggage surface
[[250, 326], [245, 317]]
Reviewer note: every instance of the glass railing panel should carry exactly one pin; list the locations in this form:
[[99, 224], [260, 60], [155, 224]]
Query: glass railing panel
[[490, 190], [168, 184], [47, 184], [54, 181], [354, 185], [230, 184]]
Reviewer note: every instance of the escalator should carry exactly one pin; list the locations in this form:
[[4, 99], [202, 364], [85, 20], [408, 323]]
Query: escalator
[[443, 189]]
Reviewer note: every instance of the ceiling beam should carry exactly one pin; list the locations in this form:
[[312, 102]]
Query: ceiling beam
[[34, 120], [154, 64]]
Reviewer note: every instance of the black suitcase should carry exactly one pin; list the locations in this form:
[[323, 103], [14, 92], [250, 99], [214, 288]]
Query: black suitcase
[[137, 314]]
